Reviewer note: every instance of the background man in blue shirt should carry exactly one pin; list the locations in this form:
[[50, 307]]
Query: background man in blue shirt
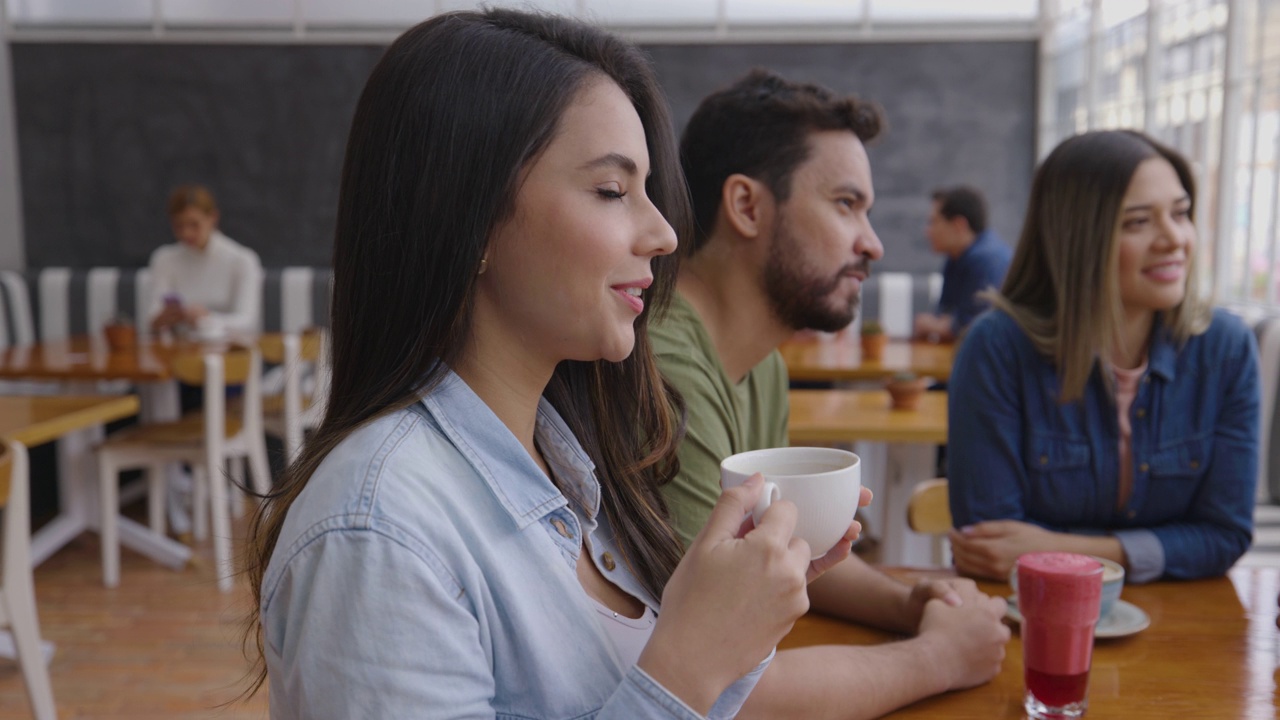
[[977, 259]]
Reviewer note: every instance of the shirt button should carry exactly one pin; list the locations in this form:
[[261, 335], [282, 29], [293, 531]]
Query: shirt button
[[1142, 412], [1195, 464], [1133, 514], [1044, 459], [1146, 379], [1144, 467], [607, 560], [561, 528]]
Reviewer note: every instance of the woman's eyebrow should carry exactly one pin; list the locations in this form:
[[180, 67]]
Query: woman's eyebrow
[[612, 159]]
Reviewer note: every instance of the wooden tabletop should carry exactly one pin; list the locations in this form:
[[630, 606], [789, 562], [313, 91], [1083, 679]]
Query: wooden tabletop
[[831, 416], [838, 358], [87, 358], [1211, 651], [38, 419]]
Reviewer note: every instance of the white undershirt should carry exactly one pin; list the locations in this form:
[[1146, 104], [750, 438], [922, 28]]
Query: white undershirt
[[629, 635]]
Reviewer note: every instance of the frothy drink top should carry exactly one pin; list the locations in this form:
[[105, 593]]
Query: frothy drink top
[[1059, 588]]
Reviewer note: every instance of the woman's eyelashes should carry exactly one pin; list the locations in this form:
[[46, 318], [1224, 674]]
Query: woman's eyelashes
[[1140, 221], [612, 191], [1135, 223]]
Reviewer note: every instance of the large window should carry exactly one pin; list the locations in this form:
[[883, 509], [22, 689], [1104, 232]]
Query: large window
[[1200, 75]]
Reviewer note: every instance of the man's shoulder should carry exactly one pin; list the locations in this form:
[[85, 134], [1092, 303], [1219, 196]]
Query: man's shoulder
[[680, 340], [771, 371], [992, 248], [677, 327]]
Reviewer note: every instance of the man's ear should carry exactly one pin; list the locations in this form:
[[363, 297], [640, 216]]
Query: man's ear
[[746, 204]]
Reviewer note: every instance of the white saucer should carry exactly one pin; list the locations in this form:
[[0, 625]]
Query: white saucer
[[1125, 619]]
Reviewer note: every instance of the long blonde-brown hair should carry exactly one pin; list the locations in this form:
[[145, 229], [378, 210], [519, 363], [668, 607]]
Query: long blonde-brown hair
[[452, 113], [1063, 284]]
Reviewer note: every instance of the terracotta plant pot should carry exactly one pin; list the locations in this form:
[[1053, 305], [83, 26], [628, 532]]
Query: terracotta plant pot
[[873, 346], [905, 394], [120, 336]]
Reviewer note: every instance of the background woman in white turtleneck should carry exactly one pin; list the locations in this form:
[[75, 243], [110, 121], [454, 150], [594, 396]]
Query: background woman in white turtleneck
[[205, 274]]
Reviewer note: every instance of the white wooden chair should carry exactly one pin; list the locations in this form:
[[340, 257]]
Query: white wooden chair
[[296, 410], [17, 594], [207, 440]]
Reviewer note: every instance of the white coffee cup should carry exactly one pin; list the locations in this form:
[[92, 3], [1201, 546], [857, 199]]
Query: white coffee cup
[[824, 484]]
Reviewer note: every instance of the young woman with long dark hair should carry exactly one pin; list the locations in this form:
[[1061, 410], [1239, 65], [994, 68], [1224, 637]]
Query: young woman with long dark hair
[[475, 530]]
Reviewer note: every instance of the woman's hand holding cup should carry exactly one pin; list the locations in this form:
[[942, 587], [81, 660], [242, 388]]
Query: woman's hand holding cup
[[731, 599]]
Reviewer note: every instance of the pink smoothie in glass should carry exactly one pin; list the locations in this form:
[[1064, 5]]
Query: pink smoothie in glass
[[1059, 595]]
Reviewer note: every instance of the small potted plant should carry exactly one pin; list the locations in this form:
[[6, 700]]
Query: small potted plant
[[905, 390], [873, 340], [120, 332]]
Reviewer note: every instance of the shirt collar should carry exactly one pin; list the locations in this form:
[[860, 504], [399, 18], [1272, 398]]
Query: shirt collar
[[216, 240], [519, 485]]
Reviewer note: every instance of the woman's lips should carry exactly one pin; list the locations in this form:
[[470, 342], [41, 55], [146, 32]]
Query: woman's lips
[[1165, 272], [629, 297]]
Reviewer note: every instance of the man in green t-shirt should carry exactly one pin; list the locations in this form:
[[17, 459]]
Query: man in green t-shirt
[[781, 189]]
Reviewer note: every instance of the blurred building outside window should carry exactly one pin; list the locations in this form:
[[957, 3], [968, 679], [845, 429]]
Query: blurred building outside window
[[1200, 75]]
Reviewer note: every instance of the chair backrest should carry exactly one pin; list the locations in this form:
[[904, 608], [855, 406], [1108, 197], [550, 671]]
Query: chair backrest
[[17, 325], [214, 369], [928, 511], [189, 367], [100, 293], [295, 298]]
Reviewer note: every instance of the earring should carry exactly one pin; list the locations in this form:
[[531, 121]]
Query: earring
[[484, 265]]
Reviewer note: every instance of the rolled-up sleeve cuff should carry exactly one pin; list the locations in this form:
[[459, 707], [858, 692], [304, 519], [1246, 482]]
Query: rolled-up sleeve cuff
[[731, 701], [1144, 553], [647, 694]]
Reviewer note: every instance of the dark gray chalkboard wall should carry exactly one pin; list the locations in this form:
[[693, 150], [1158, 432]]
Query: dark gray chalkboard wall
[[105, 131]]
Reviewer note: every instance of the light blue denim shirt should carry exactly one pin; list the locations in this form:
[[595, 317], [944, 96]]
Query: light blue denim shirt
[[1014, 452], [427, 570]]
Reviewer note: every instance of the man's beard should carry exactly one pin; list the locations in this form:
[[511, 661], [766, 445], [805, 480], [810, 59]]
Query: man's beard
[[799, 298]]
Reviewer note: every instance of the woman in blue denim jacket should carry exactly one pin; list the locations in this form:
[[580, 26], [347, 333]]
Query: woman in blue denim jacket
[[475, 530], [1103, 407]]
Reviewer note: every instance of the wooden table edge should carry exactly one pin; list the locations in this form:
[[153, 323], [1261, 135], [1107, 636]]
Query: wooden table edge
[[111, 408]]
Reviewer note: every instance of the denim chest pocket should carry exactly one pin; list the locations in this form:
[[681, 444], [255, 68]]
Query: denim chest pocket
[[1183, 459], [1054, 454], [1061, 478]]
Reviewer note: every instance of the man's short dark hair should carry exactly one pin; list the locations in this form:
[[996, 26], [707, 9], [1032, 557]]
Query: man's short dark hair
[[759, 127], [963, 201]]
